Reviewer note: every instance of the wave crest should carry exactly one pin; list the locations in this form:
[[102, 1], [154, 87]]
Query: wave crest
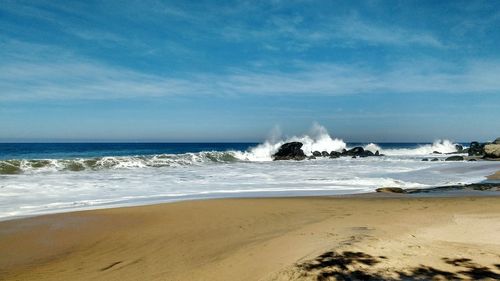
[[12, 167], [441, 146], [317, 140]]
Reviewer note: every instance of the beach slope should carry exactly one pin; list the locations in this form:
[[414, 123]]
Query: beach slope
[[316, 238]]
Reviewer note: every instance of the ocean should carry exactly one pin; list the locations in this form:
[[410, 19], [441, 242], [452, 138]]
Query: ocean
[[38, 178]]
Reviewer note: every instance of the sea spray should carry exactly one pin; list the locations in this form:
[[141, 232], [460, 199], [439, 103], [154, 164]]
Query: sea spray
[[130, 174], [441, 146], [317, 140]]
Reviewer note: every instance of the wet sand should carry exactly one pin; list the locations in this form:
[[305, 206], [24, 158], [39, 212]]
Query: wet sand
[[495, 176], [306, 238]]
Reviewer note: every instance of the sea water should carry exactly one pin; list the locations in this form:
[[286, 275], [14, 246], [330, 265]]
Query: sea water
[[57, 177]]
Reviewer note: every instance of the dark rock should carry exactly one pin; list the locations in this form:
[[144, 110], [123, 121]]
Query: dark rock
[[425, 159], [367, 153], [467, 187], [465, 150], [316, 153], [472, 160], [476, 149], [325, 154], [436, 152], [459, 148], [357, 151], [377, 153], [354, 157], [497, 141], [454, 158], [434, 159], [335, 154], [311, 157], [390, 190], [290, 151]]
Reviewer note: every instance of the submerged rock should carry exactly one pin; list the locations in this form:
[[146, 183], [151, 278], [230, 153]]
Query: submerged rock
[[434, 159], [290, 151], [390, 190], [455, 188], [425, 159], [454, 158], [436, 152]]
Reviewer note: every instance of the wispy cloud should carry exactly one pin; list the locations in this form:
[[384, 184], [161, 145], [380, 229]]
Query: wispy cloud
[[40, 72], [293, 33], [83, 79], [356, 29], [276, 30]]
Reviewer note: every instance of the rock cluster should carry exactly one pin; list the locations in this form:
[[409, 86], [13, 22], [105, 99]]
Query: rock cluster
[[293, 151], [487, 150], [476, 149]]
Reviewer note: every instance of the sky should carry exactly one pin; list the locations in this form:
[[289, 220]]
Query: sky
[[382, 71]]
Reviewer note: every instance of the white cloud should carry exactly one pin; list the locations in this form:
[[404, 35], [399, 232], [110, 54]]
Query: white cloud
[[83, 81], [353, 28], [79, 79]]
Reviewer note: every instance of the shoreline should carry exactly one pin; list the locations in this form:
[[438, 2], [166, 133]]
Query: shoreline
[[482, 189], [491, 182], [232, 239], [495, 176]]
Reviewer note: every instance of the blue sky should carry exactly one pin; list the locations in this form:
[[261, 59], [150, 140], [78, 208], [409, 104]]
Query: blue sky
[[232, 71]]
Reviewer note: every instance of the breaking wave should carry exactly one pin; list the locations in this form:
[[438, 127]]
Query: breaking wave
[[441, 146], [318, 139], [124, 162]]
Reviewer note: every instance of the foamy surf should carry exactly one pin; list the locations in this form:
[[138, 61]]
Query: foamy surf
[[34, 186]]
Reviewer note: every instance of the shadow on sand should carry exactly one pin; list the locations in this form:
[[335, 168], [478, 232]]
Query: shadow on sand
[[355, 266]]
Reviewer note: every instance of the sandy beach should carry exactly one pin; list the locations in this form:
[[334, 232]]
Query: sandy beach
[[309, 238], [249, 140]]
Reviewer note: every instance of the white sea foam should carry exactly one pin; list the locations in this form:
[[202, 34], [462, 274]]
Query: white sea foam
[[55, 185], [317, 140], [441, 146]]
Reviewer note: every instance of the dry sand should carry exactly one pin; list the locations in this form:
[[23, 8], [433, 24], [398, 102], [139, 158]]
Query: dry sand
[[319, 238]]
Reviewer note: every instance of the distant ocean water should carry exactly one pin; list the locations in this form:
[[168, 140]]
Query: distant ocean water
[[55, 177], [10, 151]]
